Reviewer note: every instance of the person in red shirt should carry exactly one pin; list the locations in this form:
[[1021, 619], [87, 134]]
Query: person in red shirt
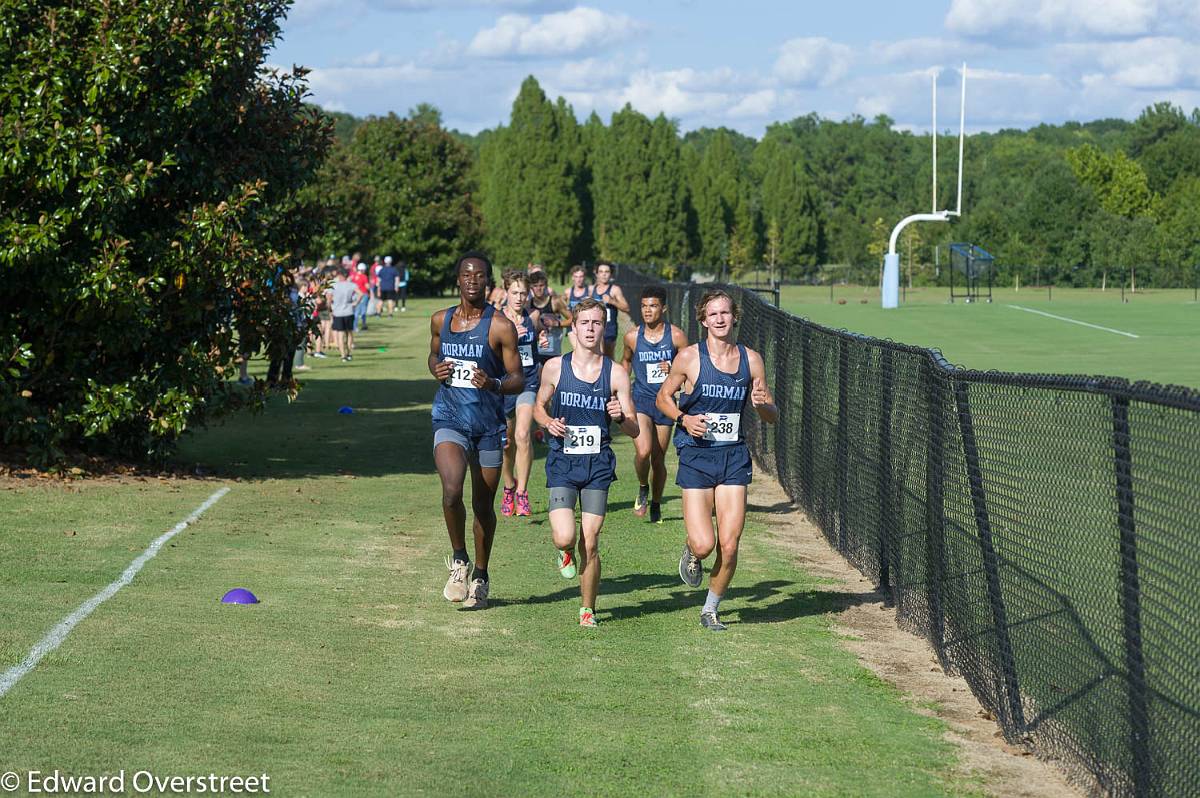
[[363, 284]]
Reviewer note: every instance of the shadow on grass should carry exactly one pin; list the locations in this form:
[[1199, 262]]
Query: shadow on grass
[[389, 432], [768, 601]]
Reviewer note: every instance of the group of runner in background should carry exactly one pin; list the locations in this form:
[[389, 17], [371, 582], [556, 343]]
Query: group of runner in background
[[500, 359]]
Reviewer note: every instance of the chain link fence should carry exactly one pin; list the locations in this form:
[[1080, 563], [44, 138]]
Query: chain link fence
[[1040, 531]]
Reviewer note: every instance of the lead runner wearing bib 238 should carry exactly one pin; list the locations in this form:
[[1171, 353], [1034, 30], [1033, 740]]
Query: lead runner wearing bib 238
[[715, 378]]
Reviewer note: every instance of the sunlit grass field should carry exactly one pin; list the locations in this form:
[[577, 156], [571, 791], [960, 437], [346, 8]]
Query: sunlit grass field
[[355, 677], [1002, 337]]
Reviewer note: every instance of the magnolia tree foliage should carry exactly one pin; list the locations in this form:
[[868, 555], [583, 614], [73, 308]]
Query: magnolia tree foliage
[[149, 168]]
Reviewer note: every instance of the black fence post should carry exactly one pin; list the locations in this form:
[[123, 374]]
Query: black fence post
[[806, 418], [991, 563], [843, 438], [1131, 600], [935, 508], [886, 480]]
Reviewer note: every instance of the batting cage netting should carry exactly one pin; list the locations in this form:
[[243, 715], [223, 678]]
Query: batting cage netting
[[1039, 530]]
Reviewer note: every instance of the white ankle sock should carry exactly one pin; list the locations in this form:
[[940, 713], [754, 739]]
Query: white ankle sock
[[711, 603]]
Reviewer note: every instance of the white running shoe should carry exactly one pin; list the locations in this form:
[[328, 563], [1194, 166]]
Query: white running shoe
[[456, 585], [477, 596]]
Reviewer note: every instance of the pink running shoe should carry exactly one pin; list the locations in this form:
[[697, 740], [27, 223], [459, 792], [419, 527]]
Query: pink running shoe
[[523, 503], [506, 506]]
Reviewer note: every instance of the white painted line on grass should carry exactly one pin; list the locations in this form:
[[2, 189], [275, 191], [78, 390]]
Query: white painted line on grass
[[1074, 321], [59, 633]]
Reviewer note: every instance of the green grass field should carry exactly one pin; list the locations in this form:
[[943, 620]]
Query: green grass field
[[998, 336], [355, 677]]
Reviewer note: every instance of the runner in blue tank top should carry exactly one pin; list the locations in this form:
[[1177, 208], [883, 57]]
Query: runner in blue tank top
[[518, 453], [716, 377], [473, 353], [614, 300], [577, 291], [580, 392], [648, 351]]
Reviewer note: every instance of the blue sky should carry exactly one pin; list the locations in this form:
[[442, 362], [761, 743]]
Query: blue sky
[[747, 64]]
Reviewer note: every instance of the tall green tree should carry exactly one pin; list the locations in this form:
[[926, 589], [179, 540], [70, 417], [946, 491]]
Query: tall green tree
[[716, 194], [531, 203], [789, 205], [420, 207], [639, 190]]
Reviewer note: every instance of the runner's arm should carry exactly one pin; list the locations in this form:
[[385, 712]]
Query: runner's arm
[[624, 402], [550, 373], [630, 341], [684, 370], [618, 299], [760, 392], [439, 368], [503, 337]]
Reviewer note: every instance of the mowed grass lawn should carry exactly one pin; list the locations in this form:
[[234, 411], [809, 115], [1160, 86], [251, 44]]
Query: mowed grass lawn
[[1001, 337], [355, 677]]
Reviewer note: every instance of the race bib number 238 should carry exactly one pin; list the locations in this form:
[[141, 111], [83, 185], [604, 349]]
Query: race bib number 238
[[723, 427]]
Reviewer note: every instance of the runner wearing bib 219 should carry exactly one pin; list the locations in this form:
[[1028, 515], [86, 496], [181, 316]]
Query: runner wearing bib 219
[[580, 393], [715, 378]]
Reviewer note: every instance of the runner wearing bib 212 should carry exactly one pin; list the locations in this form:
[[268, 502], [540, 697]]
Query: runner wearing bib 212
[[715, 379]]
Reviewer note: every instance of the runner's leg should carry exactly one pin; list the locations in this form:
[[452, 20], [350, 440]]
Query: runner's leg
[[524, 446], [731, 518], [659, 440], [451, 462], [484, 482]]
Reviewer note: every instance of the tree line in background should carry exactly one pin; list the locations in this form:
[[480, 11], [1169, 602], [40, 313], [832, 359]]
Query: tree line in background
[[814, 200]]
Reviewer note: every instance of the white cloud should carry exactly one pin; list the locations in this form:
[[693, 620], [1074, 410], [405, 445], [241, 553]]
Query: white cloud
[[1161, 62], [718, 94], [562, 33], [330, 84], [590, 73], [1015, 19], [812, 62], [758, 104]]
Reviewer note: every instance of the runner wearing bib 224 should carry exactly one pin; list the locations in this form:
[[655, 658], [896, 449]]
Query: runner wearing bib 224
[[647, 355], [715, 378]]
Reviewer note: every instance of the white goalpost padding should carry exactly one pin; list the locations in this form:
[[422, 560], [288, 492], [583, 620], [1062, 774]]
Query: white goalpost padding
[[890, 293]]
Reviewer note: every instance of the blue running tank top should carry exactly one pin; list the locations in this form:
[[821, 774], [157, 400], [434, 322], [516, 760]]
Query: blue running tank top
[[458, 403], [527, 349], [583, 405], [610, 312], [573, 300], [646, 359], [719, 396]]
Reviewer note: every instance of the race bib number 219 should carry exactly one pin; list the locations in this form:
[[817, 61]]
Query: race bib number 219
[[581, 439]]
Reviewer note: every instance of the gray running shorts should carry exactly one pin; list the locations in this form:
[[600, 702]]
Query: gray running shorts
[[485, 457]]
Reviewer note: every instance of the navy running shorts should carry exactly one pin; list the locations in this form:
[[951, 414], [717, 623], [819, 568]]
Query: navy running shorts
[[710, 466], [581, 471], [647, 407]]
